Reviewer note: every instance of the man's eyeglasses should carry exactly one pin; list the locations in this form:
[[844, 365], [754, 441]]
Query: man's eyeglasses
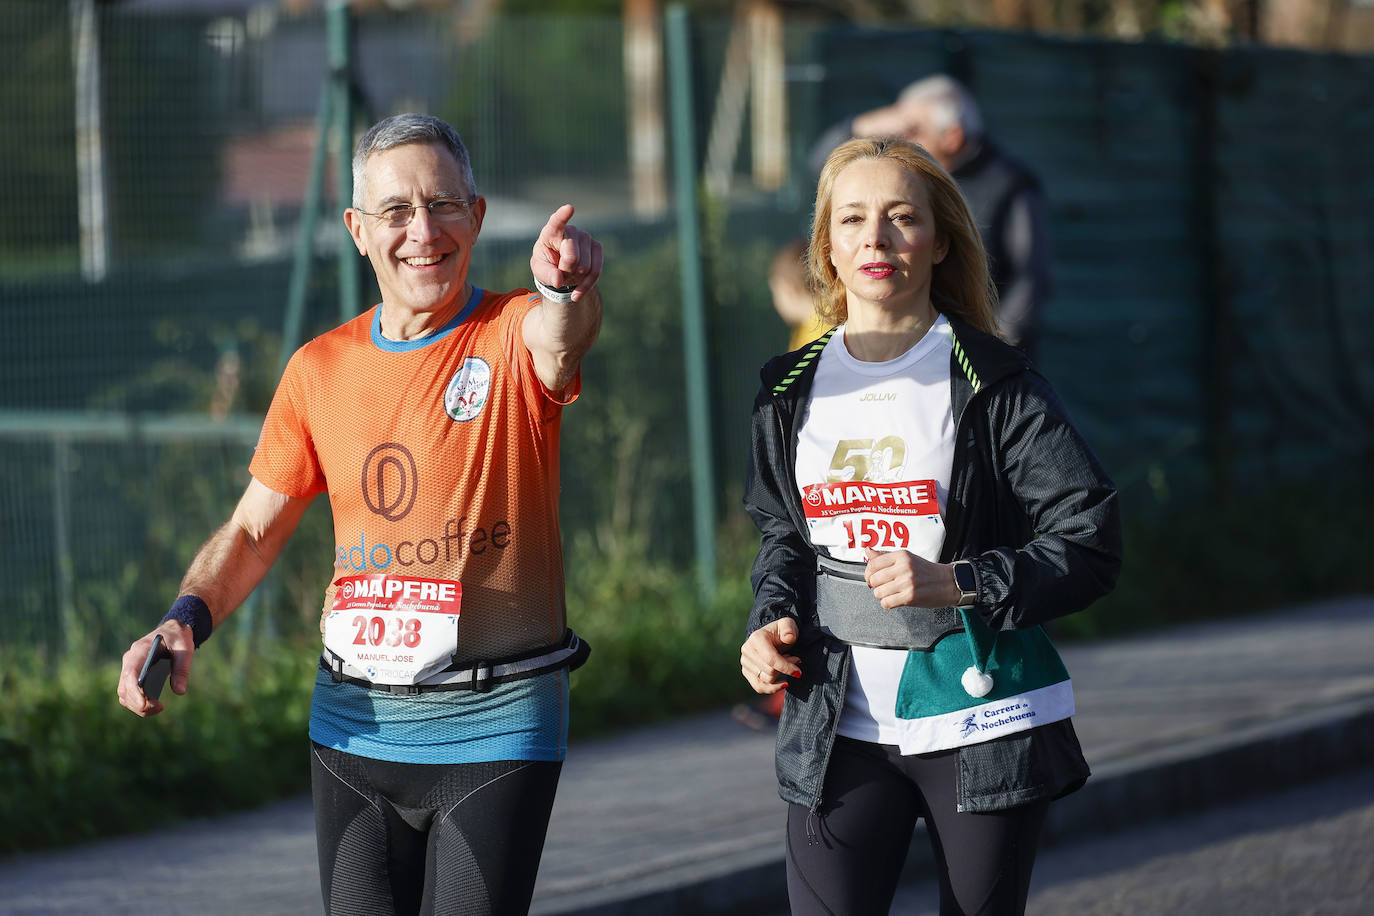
[[448, 210]]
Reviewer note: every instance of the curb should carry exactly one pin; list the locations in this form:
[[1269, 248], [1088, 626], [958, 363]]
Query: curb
[[1186, 778], [1199, 774]]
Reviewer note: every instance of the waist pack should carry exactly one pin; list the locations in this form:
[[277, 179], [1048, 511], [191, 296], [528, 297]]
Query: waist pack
[[571, 653], [849, 612]]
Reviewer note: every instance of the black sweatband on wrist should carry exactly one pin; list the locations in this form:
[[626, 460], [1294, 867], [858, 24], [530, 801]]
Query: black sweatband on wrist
[[194, 613]]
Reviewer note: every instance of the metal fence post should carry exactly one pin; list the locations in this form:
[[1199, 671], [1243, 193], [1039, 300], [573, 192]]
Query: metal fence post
[[62, 546], [693, 299], [305, 240], [336, 108], [340, 28]]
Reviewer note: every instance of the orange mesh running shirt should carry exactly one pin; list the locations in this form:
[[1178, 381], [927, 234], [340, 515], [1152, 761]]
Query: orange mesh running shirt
[[440, 458]]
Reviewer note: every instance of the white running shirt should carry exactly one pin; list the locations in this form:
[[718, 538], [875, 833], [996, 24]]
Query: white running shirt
[[874, 453]]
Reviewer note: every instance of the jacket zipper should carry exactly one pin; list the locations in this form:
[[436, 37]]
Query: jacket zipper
[[812, 838], [785, 438]]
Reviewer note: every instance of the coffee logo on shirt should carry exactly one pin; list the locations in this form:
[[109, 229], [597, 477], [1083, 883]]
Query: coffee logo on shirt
[[390, 481], [467, 393]]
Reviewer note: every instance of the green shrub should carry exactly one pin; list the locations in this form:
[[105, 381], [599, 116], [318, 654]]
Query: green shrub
[[76, 765], [658, 650], [1263, 548]]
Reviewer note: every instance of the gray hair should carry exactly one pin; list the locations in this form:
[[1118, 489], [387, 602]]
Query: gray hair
[[398, 130], [950, 101]]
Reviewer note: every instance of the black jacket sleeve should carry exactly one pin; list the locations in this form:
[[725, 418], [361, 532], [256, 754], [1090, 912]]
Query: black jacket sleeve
[[1072, 553], [784, 572]]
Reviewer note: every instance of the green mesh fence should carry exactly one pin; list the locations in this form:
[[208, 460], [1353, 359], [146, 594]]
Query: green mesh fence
[[1213, 319], [1212, 229]]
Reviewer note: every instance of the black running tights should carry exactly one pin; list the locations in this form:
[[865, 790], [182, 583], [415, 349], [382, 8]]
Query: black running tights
[[429, 839], [846, 859]]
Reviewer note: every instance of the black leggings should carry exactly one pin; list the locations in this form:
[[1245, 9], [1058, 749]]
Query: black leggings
[[431, 839], [847, 859]]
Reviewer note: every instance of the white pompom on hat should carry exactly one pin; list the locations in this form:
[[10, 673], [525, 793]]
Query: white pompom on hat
[[981, 640]]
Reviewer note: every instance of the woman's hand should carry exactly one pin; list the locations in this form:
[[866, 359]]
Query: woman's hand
[[899, 578], [760, 661]]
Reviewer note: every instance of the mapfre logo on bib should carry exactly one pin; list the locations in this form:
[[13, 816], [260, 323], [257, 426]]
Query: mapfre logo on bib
[[467, 393]]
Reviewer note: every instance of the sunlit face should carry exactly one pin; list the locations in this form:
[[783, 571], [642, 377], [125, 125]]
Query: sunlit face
[[421, 267], [883, 242]]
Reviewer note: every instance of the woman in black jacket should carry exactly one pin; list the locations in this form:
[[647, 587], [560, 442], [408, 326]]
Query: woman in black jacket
[[924, 505]]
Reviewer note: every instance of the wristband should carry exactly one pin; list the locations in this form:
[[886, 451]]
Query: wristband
[[194, 613], [561, 294]]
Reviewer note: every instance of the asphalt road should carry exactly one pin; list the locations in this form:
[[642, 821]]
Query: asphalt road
[[1305, 852]]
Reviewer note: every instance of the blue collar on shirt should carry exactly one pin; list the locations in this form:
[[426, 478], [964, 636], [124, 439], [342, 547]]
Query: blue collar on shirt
[[405, 346]]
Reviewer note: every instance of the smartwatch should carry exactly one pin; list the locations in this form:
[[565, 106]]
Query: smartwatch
[[967, 584]]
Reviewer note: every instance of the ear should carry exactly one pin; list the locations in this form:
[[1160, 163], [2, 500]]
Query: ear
[[479, 213], [354, 221], [941, 249]]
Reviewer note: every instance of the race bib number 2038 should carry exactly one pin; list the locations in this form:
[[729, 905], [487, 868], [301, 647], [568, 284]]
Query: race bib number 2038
[[396, 629]]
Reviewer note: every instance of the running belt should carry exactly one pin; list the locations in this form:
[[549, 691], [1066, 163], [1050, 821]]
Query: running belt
[[571, 653], [849, 612]]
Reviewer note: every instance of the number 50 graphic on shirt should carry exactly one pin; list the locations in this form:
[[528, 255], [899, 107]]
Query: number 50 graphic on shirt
[[867, 459]]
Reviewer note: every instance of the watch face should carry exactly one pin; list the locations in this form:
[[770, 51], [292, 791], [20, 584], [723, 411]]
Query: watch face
[[963, 577]]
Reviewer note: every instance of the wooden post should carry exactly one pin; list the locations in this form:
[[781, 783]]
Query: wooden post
[[648, 149], [92, 202], [769, 98]]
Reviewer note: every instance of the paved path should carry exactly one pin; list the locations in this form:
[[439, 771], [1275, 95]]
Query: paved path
[[1308, 850], [684, 817]]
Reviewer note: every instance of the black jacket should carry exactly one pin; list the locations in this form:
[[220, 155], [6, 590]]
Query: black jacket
[[1029, 506]]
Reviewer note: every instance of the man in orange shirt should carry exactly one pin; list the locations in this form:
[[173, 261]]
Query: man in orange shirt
[[439, 718]]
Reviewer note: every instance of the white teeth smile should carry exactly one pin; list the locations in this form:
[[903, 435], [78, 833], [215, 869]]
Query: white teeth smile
[[423, 262]]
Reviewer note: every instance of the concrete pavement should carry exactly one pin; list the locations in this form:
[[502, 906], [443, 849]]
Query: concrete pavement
[[684, 817]]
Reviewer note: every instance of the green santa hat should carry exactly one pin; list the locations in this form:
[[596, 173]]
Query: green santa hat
[[977, 667]]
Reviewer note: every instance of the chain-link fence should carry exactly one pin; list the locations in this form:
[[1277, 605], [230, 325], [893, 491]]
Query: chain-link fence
[[1212, 326]]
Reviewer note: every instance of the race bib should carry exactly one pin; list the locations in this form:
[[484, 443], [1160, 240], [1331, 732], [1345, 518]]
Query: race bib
[[848, 517], [396, 629]]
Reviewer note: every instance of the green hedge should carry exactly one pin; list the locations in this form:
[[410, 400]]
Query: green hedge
[[1298, 540], [76, 765]]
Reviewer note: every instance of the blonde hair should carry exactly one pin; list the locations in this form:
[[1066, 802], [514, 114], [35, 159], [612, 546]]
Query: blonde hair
[[960, 285]]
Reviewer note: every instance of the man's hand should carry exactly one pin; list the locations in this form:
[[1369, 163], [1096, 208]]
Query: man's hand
[[887, 121], [558, 334], [179, 642], [565, 255]]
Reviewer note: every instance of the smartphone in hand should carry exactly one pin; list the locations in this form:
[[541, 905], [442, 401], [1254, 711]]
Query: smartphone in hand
[[156, 667]]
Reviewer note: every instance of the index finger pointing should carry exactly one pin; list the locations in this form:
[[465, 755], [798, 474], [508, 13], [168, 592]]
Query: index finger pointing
[[554, 228]]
